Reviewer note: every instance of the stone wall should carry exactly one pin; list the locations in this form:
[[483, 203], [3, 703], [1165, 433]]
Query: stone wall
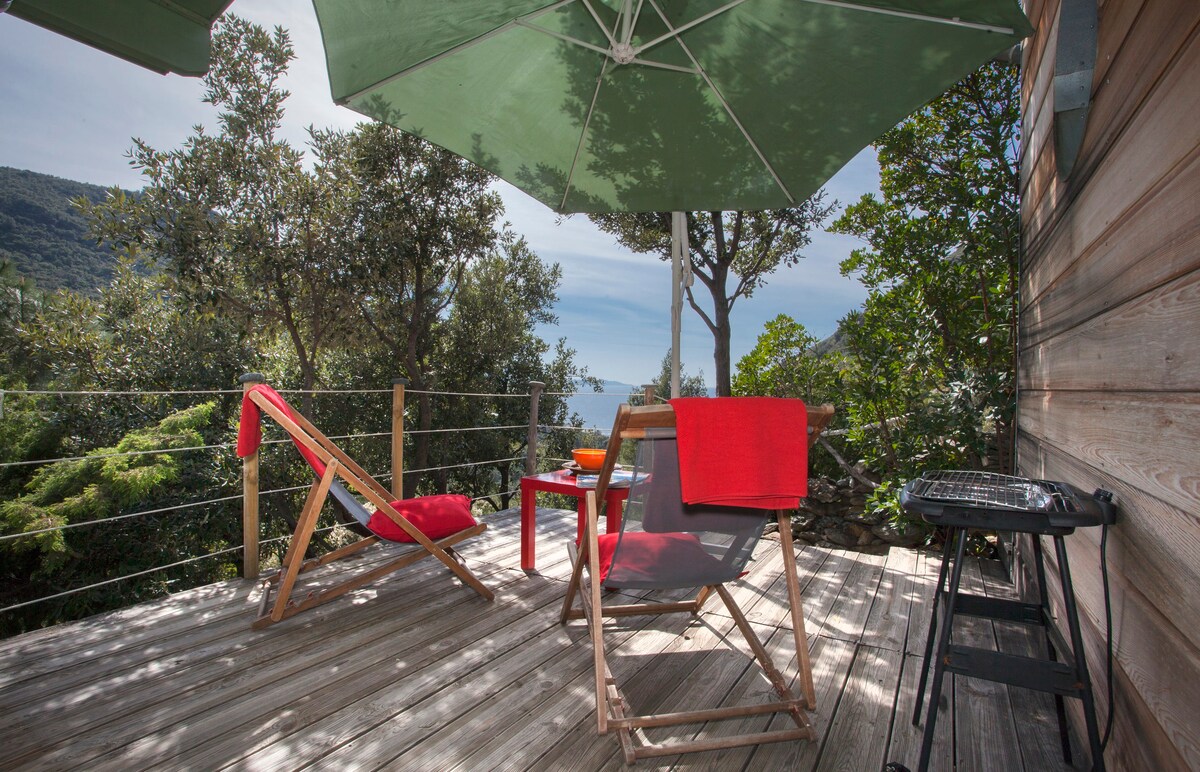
[[834, 515]]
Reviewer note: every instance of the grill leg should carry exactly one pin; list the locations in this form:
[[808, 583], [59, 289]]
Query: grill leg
[[1081, 669], [931, 634], [939, 664], [1064, 736]]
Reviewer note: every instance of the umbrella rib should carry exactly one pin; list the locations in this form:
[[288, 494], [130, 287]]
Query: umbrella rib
[[624, 17], [519, 21], [951, 20], [600, 50], [732, 115], [954, 21], [611, 39], [674, 31], [637, 14], [665, 66], [583, 134], [564, 38], [186, 13]]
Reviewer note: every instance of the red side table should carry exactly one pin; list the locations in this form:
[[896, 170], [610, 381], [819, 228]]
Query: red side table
[[565, 483]]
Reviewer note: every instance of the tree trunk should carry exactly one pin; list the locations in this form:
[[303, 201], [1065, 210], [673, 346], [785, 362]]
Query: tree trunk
[[719, 327], [420, 440], [308, 375], [724, 382]]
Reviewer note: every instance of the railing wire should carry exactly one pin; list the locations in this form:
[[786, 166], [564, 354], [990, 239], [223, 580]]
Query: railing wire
[[226, 446], [93, 586]]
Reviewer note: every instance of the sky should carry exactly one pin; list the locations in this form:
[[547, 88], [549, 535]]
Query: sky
[[71, 111]]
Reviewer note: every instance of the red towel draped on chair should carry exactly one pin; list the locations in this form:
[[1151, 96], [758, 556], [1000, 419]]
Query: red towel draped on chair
[[250, 428], [760, 459]]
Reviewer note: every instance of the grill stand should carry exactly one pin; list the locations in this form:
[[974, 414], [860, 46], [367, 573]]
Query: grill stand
[[1068, 677]]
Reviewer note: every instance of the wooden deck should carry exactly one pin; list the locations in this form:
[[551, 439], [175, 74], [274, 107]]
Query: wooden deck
[[416, 672]]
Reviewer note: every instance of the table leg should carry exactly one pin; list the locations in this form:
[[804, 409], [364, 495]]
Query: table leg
[[528, 527], [582, 509], [612, 512]]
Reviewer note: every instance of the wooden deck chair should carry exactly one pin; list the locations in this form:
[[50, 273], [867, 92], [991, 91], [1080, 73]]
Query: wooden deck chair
[[432, 524], [666, 544]]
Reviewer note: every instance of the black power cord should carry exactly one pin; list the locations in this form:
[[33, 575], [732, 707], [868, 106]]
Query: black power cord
[[1106, 497], [1108, 724]]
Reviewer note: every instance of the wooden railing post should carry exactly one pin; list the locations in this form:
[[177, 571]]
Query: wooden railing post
[[250, 496], [398, 385], [648, 393], [535, 396]]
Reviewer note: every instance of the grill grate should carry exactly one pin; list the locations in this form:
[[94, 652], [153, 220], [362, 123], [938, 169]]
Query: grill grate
[[990, 490]]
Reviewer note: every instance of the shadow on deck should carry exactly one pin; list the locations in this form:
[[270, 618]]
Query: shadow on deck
[[417, 672]]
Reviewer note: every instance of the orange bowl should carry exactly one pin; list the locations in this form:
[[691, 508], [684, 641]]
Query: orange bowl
[[589, 459]]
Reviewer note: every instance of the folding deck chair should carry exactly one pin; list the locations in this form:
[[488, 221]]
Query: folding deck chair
[[665, 544], [433, 524]]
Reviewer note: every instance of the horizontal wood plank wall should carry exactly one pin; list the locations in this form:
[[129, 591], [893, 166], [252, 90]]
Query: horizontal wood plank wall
[[1109, 368]]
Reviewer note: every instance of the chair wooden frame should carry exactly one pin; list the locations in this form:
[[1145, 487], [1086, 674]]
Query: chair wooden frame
[[340, 465], [612, 709]]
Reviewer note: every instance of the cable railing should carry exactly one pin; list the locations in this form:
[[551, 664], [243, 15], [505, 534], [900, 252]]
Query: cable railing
[[253, 541], [114, 580], [251, 545]]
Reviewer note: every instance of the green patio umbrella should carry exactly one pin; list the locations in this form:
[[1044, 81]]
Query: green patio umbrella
[[161, 35], [656, 105]]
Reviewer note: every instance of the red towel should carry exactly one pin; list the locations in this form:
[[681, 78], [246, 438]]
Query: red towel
[[250, 428], [742, 451]]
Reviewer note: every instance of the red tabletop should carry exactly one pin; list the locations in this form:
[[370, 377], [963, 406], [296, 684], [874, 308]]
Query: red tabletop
[[565, 483]]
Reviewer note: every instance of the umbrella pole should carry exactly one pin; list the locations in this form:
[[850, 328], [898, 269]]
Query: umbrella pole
[[678, 255]]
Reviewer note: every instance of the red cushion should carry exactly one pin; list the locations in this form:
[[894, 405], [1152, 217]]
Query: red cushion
[[434, 516], [660, 559]]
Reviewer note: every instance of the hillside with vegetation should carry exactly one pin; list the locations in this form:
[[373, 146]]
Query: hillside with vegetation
[[44, 237]]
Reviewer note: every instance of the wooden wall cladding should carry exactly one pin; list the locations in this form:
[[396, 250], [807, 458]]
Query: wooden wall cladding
[[1109, 361]]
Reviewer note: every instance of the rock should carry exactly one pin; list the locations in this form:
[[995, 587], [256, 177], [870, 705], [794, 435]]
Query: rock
[[821, 490], [899, 534], [860, 468], [866, 518], [829, 521], [840, 538], [834, 515], [802, 525]]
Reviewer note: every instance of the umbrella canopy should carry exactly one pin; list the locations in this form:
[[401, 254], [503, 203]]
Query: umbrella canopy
[[161, 35], [656, 105]]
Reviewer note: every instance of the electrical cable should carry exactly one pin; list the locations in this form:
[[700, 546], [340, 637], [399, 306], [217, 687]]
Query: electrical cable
[[1108, 724]]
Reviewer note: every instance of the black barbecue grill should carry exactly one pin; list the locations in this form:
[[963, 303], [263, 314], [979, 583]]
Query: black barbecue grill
[[1000, 502], [960, 501]]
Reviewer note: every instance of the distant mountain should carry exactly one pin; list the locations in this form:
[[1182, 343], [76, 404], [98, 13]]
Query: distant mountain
[[43, 236], [598, 409], [835, 343]]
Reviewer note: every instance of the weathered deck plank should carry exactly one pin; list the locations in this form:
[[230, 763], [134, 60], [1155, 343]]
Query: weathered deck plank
[[985, 737], [905, 743], [857, 739], [1039, 750], [887, 626], [415, 672]]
